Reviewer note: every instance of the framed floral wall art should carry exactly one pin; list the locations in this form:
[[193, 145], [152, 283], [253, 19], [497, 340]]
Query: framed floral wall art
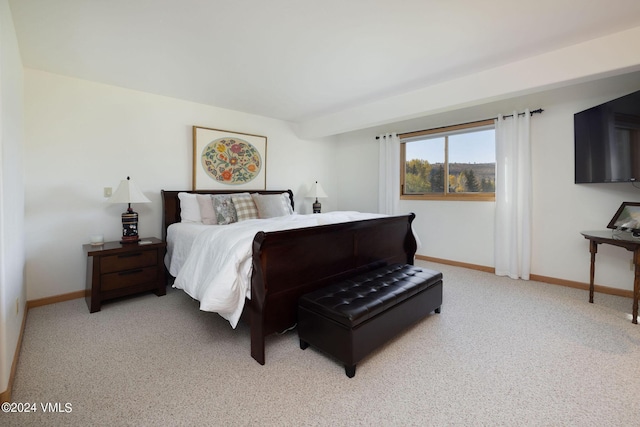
[[228, 160]]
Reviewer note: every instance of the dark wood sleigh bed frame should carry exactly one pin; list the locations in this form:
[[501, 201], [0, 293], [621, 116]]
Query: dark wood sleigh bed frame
[[287, 264]]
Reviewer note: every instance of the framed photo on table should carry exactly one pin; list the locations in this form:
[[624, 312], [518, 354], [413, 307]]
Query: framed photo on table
[[228, 160], [627, 218]]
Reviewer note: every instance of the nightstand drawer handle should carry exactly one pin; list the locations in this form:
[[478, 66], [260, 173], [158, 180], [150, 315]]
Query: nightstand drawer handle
[[125, 273], [129, 255]]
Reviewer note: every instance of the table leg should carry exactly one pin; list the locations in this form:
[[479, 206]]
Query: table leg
[[636, 286], [593, 248]]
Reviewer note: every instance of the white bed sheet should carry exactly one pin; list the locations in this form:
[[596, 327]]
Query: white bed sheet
[[180, 237], [212, 263]]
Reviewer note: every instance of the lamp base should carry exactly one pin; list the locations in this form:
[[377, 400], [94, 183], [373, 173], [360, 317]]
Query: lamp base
[[316, 206], [130, 227], [129, 239]]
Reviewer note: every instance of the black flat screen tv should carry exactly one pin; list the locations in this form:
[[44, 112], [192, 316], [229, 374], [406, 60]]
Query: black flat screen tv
[[607, 141]]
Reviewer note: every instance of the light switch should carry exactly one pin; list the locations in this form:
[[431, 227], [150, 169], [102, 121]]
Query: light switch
[[107, 191]]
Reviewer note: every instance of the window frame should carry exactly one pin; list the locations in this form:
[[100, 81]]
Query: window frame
[[442, 131]]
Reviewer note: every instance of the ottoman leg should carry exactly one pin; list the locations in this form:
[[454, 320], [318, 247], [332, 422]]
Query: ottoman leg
[[350, 370], [303, 344], [437, 310]]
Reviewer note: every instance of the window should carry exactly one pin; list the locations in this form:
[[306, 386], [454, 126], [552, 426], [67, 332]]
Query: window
[[452, 163]]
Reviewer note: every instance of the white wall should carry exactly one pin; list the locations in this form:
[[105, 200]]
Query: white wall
[[561, 209], [83, 136], [12, 252], [463, 231]]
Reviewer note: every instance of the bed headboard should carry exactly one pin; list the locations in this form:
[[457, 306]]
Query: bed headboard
[[171, 203]]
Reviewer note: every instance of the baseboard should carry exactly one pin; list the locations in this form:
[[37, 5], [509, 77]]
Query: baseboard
[[57, 298], [457, 263], [5, 396], [580, 285], [538, 278]]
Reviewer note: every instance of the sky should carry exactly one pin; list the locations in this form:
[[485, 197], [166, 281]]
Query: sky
[[470, 147]]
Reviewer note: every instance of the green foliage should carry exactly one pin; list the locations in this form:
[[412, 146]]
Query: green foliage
[[436, 178], [422, 177], [472, 183], [418, 167], [414, 184], [415, 179], [487, 185]]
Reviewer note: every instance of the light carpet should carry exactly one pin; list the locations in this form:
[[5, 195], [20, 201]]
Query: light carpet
[[502, 352]]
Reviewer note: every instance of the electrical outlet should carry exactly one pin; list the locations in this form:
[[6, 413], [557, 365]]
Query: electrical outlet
[[17, 305], [107, 191]]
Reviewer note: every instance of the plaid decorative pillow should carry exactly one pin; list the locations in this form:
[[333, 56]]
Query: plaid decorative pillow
[[225, 210], [245, 207]]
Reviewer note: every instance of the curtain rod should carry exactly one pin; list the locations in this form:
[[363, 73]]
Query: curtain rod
[[538, 111]]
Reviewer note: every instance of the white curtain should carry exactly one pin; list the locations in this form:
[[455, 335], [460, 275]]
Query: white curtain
[[389, 174], [513, 196]]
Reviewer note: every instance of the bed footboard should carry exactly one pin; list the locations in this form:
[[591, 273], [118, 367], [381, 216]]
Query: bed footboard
[[290, 263]]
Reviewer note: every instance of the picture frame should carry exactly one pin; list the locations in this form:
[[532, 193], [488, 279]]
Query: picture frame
[[228, 160], [627, 218]]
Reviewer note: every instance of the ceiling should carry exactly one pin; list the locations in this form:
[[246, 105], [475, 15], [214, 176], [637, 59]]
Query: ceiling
[[297, 60]]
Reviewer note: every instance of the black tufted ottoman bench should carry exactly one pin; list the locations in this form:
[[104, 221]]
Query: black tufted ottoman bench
[[351, 318]]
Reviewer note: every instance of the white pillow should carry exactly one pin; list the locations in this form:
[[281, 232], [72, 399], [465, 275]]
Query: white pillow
[[207, 211], [272, 205], [286, 200], [189, 208]]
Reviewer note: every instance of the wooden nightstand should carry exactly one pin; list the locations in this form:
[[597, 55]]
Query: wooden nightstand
[[115, 269]]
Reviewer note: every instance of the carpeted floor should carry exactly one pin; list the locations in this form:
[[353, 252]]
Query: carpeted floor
[[502, 352]]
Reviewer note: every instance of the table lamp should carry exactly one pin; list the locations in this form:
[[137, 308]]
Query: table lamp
[[316, 191], [128, 193]]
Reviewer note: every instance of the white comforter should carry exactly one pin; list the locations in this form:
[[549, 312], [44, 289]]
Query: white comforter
[[217, 269]]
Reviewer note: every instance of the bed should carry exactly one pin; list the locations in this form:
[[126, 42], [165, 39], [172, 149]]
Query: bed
[[288, 263]]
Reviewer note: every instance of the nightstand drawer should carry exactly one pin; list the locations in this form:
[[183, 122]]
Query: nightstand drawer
[[128, 261], [124, 279]]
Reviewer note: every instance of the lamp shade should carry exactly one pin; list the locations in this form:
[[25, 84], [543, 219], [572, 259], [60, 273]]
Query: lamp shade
[[127, 192], [316, 191]]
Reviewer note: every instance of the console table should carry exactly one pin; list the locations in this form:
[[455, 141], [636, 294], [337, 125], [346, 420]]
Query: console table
[[624, 241]]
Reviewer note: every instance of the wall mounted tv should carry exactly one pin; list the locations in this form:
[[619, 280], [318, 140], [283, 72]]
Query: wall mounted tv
[[607, 141]]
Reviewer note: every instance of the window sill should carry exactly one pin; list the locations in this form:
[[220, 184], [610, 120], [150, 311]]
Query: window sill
[[491, 197]]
